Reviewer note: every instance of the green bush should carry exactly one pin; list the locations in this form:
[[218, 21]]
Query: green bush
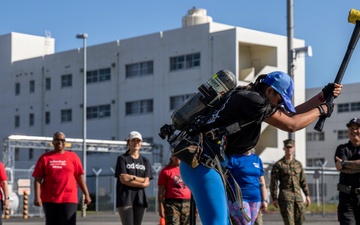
[[329, 208], [313, 208], [105, 203], [151, 204]]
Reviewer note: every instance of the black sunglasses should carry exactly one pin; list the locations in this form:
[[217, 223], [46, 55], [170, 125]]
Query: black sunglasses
[[57, 140]]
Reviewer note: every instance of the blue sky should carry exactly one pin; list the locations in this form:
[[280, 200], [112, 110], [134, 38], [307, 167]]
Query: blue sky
[[321, 23]]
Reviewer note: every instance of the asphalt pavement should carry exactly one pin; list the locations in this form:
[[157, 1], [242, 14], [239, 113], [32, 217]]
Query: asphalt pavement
[[151, 218]]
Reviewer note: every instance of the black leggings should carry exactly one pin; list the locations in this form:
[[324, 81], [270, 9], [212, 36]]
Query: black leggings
[[60, 213], [131, 215], [1, 210]]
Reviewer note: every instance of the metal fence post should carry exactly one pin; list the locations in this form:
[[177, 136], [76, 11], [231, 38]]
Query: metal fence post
[[97, 189]]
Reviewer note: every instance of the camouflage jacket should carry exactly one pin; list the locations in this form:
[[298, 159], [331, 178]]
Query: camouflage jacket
[[290, 178]]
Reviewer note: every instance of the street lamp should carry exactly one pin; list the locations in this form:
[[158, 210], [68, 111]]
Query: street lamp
[[292, 53], [290, 36], [307, 50], [84, 36]]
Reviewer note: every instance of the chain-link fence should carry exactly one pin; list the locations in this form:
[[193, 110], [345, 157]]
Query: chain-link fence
[[102, 187], [101, 184], [322, 182], [20, 184]]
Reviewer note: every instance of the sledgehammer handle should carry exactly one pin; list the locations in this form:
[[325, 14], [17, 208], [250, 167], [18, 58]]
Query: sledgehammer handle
[[352, 44]]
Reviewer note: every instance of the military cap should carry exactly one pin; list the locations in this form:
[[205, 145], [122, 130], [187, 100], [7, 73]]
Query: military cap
[[354, 120], [289, 143]]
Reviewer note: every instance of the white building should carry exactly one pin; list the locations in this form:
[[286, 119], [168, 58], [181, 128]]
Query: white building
[[136, 83], [321, 146]]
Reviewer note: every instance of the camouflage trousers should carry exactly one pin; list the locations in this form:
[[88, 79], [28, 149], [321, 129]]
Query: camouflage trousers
[[259, 219], [177, 212], [293, 213]]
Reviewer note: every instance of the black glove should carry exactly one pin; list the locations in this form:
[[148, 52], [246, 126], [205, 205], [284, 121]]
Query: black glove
[[328, 90], [330, 109]]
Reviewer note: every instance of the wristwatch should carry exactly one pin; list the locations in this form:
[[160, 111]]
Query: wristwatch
[[265, 201], [342, 163], [7, 198]]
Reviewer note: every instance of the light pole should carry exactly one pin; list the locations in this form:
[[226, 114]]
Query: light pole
[[292, 53], [290, 36], [84, 36]]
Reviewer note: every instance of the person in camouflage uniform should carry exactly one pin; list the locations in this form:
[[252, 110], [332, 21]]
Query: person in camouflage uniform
[[259, 219], [288, 174], [173, 195]]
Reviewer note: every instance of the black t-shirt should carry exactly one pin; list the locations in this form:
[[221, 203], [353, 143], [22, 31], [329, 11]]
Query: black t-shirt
[[348, 152], [242, 106], [126, 195]]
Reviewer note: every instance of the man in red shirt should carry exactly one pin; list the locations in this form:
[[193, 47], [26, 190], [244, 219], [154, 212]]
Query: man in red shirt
[[173, 196], [4, 196], [57, 174]]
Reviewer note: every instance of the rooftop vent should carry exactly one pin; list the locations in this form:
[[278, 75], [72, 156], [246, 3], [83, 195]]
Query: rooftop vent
[[195, 16]]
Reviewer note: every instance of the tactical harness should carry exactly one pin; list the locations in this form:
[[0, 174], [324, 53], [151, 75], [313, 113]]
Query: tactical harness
[[191, 151]]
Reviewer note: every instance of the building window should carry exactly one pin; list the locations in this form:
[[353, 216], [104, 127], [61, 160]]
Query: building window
[[66, 115], [100, 111], [139, 107], [316, 162], [345, 107], [47, 83], [342, 134], [47, 117], [17, 154], [148, 139], [17, 88], [193, 60], [98, 75], [31, 153], [177, 63], [139, 69], [32, 86], [184, 61], [92, 76], [348, 107], [104, 74], [31, 119], [66, 80], [176, 101], [355, 106], [315, 136], [17, 121], [91, 112]]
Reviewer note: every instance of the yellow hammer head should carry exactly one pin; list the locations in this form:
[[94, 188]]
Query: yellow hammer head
[[354, 15]]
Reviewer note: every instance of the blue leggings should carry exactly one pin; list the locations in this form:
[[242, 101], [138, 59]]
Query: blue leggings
[[209, 193]]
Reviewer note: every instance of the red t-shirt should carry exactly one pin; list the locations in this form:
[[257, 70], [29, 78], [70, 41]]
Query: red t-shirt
[[174, 185], [59, 172], [3, 177]]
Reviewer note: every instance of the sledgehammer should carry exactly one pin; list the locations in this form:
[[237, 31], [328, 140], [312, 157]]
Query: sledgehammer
[[354, 17]]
